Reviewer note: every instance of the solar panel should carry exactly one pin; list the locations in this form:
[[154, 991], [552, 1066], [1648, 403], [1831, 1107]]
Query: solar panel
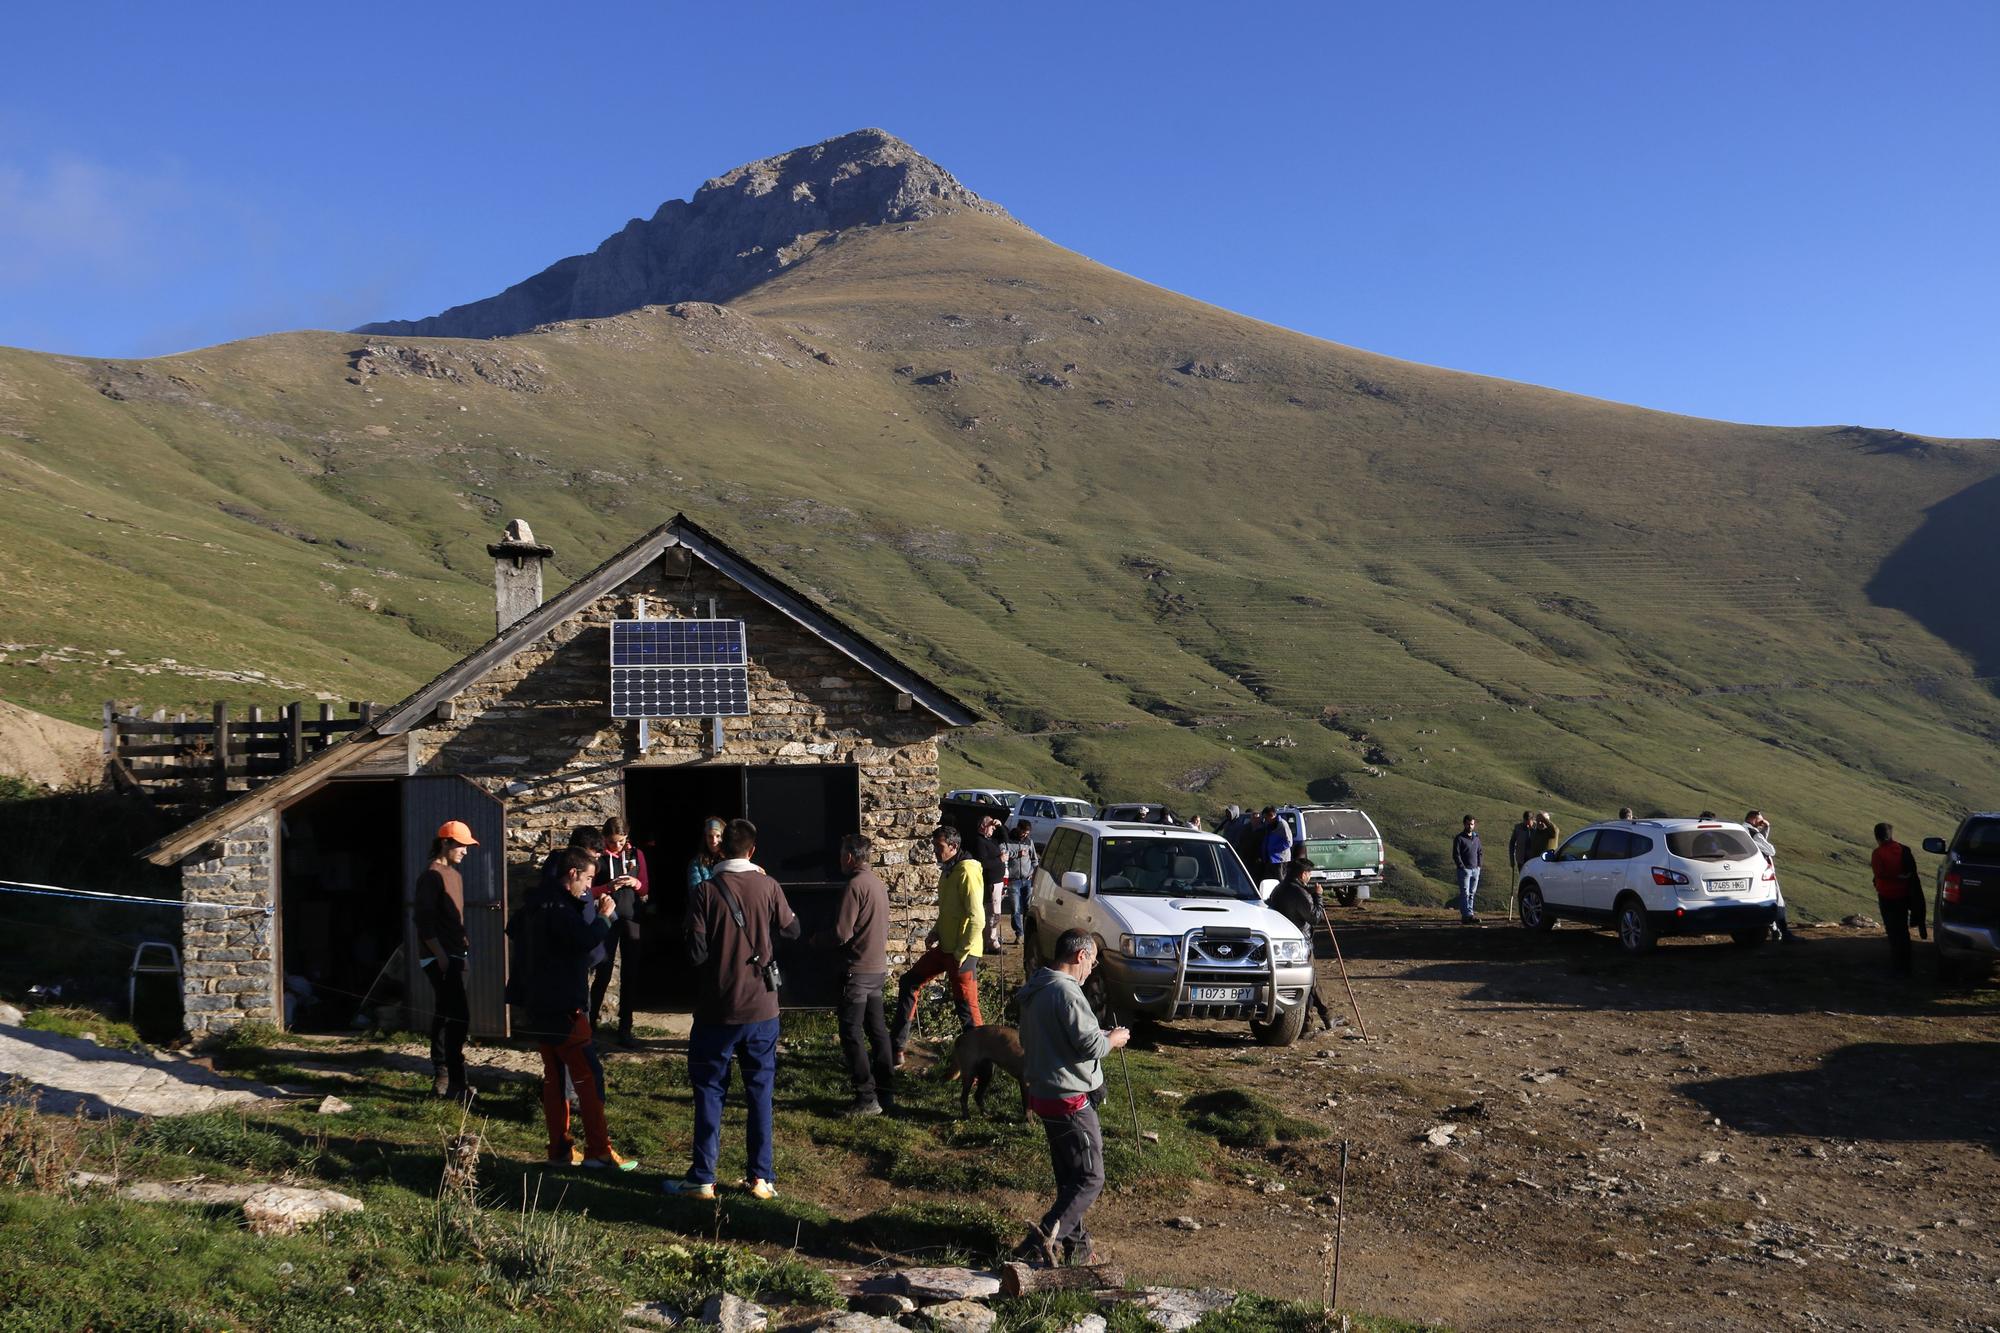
[[679, 668]]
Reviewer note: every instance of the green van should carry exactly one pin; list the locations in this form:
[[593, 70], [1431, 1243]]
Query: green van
[[1345, 848]]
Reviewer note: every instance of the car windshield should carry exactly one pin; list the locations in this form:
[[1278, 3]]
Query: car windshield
[[1171, 868], [1325, 825], [1711, 844]]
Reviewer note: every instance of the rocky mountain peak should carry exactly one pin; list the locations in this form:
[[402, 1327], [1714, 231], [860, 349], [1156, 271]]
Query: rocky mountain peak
[[738, 230]]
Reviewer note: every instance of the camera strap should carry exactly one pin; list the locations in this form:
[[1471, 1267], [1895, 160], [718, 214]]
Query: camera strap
[[729, 901]]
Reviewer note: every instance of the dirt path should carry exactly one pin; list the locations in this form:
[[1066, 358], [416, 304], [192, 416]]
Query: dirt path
[[1705, 1138]]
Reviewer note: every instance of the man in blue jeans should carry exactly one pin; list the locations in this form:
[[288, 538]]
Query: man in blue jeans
[[733, 924], [1466, 859]]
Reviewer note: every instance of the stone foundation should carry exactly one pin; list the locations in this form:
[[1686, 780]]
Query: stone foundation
[[228, 932]]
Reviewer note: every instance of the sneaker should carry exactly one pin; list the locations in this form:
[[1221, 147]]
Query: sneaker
[[627, 1040], [611, 1161], [862, 1106], [570, 1156], [761, 1188], [1468, 921], [689, 1189], [895, 1059]]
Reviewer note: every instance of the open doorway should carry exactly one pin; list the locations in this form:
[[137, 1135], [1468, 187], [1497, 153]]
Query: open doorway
[[341, 903]]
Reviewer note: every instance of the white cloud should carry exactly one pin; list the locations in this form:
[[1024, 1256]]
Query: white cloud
[[69, 220]]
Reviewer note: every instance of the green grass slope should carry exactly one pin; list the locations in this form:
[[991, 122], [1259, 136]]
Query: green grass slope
[[1151, 535]]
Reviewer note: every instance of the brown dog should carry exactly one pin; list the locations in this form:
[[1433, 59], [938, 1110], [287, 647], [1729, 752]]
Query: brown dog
[[973, 1056]]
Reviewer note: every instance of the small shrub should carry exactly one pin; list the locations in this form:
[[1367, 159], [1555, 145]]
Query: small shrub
[[222, 1137], [687, 1274], [37, 1152], [1242, 1119], [542, 1256]]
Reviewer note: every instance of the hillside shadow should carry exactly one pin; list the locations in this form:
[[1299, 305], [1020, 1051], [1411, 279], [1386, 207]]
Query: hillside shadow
[[1935, 575], [1943, 1092]]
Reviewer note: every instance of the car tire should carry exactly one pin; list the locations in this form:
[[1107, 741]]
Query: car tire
[[1750, 939], [1345, 894], [1284, 1029], [1635, 928], [1031, 950], [1098, 996], [1535, 913]]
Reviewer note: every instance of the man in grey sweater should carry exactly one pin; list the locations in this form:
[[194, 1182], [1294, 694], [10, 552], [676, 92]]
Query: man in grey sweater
[[1062, 1049]]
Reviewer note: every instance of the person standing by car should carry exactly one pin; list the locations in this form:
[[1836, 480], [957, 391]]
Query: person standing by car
[[1021, 866], [1547, 837], [1899, 892], [1467, 859], [860, 931], [1760, 833], [993, 870], [621, 872], [440, 918], [733, 924], [1275, 846], [1062, 1049], [1518, 842], [1296, 900], [1625, 813], [953, 945], [554, 943]]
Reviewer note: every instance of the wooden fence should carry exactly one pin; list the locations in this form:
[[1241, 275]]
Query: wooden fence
[[203, 761]]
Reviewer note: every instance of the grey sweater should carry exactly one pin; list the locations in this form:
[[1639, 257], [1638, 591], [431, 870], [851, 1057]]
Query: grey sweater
[[1061, 1044]]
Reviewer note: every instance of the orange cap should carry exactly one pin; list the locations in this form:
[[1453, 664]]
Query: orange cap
[[456, 830]]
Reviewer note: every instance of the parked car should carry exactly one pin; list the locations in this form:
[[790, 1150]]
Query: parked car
[[1653, 877], [1965, 919], [1180, 929], [1141, 812], [1042, 812], [1344, 846], [986, 796]]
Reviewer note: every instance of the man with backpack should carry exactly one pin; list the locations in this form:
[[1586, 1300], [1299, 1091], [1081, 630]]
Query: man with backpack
[[733, 925]]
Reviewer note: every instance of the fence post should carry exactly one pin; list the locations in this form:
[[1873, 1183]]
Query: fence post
[[110, 729], [221, 750], [295, 734]]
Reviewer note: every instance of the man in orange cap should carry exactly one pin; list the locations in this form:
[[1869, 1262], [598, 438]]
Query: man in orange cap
[[440, 915]]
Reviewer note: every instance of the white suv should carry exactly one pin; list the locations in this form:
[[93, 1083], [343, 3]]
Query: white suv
[[1042, 812], [1653, 877], [1181, 931]]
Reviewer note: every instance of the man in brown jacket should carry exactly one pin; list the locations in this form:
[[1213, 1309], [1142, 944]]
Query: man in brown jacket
[[861, 932]]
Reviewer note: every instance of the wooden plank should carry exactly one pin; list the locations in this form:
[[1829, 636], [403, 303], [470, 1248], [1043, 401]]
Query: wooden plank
[[221, 750], [164, 749], [295, 748]]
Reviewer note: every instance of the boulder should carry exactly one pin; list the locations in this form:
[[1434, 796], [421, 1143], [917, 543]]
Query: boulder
[[959, 1317], [280, 1210], [11, 1017], [885, 1303], [1176, 1308], [1089, 1323], [949, 1284], [855, 1321], [651, 1314], [332, 1105], [732, 1314]]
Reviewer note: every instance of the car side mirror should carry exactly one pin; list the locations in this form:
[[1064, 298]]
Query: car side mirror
[[1547, 856], [1075, 881], [1935, 846], [1265, 887]]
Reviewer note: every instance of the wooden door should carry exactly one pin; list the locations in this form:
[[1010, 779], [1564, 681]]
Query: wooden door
[[428, 803]]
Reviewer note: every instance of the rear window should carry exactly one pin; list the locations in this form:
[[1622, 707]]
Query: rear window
[[1711, 844], [1324, 825], [1979, 840], [1073, 810]]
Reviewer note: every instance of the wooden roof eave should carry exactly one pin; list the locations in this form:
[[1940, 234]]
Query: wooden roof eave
[[278, 791]]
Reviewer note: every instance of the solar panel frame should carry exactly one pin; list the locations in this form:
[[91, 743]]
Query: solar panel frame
[[679, 668]]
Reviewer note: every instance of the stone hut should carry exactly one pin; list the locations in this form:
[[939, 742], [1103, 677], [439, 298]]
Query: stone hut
[[298, 891]]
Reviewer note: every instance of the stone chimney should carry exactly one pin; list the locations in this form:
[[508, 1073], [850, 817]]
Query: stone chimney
[[517, 574]]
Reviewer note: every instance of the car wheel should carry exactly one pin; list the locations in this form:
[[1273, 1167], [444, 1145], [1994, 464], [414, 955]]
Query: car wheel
[[1750, 939], [1031, 949], [1635, 928], [1535, 914], [1345, 895], [1098, 997], [1284, 1029]]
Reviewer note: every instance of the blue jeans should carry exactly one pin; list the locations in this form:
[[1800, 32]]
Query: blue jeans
[[1468, 889], [1020, 910], [711, 1049]]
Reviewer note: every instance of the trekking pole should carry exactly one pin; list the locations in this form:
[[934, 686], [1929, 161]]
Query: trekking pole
[[1131, 1098], [1352, 1003], [1339, 1219]]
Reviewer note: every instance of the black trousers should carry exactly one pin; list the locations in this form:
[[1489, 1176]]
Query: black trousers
[[617, 945], [864, 1034], [1076, 1153], [1896, 921], [451, 1015]]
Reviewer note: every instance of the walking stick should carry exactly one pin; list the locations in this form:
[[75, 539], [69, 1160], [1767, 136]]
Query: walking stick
[[1131, 1099], [1339, 1219], [1352, 1003]]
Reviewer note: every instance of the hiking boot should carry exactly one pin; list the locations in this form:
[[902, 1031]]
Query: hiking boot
[[569, 1156], [688, 1189], [862, 1106], [1036, 1248], [441, 1082], [626, 1039], [611, 1161], [896, 1059], [761, 1188]]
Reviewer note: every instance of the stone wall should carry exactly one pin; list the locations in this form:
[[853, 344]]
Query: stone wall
[[543, 720], [228, 935]]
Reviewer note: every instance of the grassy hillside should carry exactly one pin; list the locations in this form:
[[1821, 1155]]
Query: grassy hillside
[[1149, 534]]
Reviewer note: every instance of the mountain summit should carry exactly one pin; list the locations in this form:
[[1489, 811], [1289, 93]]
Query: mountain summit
[[739, 229]]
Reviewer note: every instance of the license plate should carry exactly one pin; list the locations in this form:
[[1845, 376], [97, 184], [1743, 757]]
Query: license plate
[[1337, 874], [1728, 886], [1221, 994]]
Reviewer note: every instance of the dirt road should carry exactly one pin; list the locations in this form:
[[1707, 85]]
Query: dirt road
[[1710, 1137]]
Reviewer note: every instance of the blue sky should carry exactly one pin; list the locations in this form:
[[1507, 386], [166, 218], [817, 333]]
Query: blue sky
[[1774, 212]]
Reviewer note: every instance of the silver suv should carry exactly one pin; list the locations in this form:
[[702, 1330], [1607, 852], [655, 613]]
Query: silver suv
[[1654, 877], [1181, 931]]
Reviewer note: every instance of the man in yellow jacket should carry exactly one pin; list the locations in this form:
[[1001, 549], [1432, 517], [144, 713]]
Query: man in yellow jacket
[[954, 946]]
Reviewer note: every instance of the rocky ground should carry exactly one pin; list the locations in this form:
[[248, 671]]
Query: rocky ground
[[1545, 1133]]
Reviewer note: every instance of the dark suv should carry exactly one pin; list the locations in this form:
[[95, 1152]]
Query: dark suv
[[1967, 911]]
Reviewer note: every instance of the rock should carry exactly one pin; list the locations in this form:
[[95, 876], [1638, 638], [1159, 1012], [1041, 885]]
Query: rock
[[1090, 1323], [11, 1016], [86, 1180], [1150, 1135], [1438, 1136], [1168, 1095], [1273, 1187], [854, 1321], [651, 1314], [1184, 1223], [949, 1284], [280, 1210], [959, 1317], [885, 1303], [1860, 922], [732, 1314], [204, 1194], [1175, 1308], [332, 1105]]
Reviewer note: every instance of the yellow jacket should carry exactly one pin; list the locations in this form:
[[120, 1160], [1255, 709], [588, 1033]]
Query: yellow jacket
[[961, 920]]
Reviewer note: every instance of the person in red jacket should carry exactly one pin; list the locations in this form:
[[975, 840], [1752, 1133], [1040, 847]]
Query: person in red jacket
[[1899, 891]]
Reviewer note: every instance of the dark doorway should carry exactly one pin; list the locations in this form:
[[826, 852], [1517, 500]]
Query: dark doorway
[[801, 811], [341, 904]]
